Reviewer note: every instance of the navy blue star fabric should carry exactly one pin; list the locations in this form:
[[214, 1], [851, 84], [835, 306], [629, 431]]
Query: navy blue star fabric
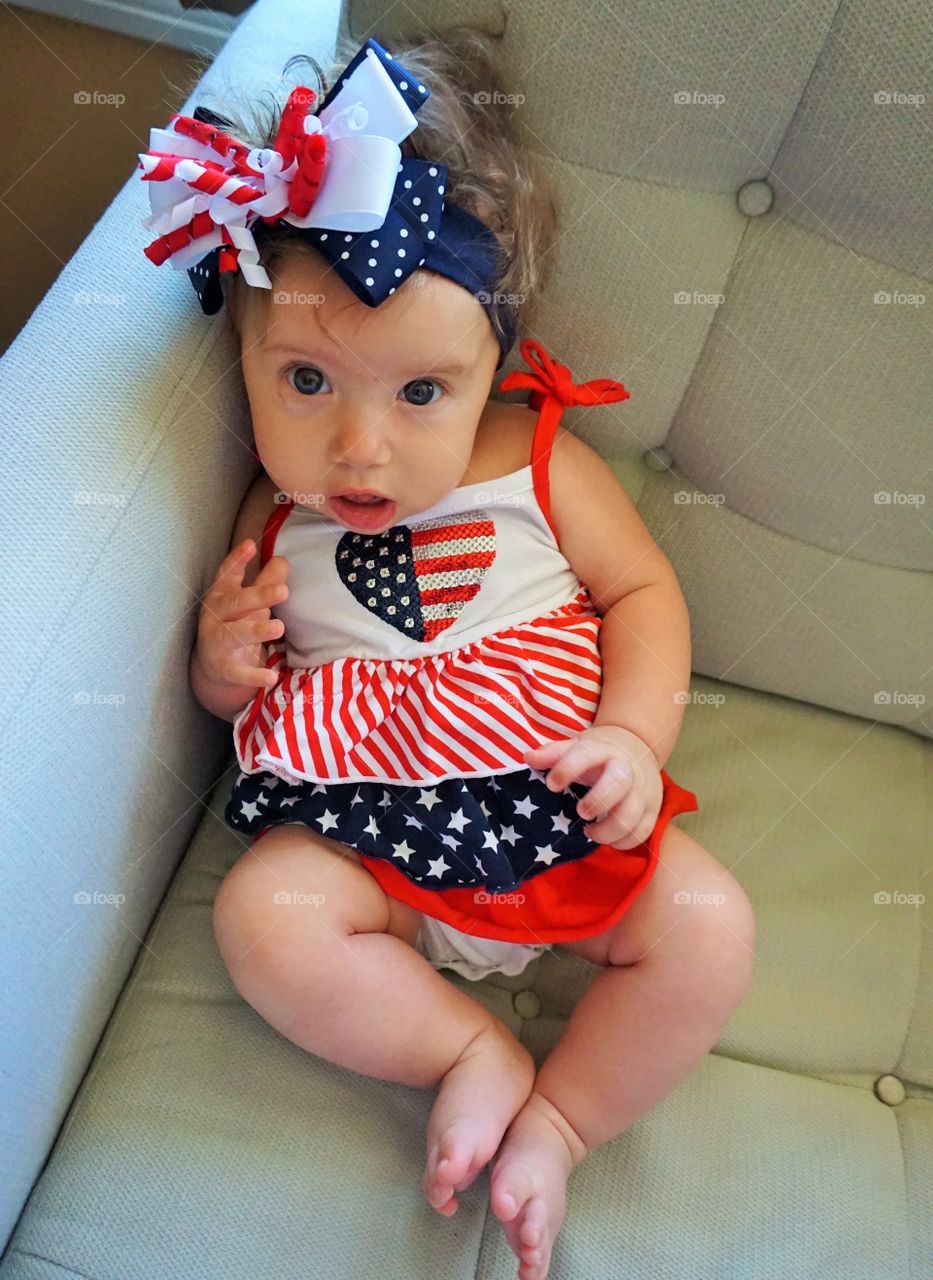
[[492, 832]]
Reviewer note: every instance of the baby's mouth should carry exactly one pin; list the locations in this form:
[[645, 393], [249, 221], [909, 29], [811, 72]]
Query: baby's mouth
[[368, 511]]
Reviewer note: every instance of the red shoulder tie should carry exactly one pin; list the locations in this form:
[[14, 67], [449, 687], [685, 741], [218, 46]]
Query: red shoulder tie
[[552, 389]]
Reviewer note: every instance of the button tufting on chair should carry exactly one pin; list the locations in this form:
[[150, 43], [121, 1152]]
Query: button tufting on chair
[[526, 1004], [755, 198], [659, 458], [890, 1090]]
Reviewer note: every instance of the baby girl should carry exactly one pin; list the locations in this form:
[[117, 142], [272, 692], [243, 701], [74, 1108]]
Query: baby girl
[[454, 659]]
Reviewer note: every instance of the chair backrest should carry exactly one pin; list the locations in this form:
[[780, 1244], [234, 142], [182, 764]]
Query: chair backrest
[[747, 213]]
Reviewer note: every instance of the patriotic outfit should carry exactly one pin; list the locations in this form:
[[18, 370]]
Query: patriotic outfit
[[472, 641], [417, 666]]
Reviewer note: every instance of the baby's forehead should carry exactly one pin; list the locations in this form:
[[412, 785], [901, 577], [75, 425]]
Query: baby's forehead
[[429, 317]]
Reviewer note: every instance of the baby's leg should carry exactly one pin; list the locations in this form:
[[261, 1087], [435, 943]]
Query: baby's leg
[[677, 964], [313, 943]]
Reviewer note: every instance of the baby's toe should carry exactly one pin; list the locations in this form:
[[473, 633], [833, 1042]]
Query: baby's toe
[[512, 1184]]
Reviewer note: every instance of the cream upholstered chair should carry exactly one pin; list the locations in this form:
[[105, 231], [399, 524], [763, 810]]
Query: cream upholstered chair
[[739, 185]]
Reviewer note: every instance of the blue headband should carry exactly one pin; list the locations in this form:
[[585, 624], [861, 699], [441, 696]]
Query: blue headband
[[232, 191]]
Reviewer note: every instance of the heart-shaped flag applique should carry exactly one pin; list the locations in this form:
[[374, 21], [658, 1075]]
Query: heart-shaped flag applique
[[419, 577]]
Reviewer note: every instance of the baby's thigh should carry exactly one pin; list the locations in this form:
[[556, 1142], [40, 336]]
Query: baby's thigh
[[295, 887], [690, 892]]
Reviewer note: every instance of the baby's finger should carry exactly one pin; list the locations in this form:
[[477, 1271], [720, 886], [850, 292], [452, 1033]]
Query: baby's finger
[[274, 570], [248, 631], [610, 788], [578, 763], [233, 565], [259, 597], [260, 677], [622, 827]]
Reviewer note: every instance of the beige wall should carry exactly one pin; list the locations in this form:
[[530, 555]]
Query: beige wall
[[63, 161]]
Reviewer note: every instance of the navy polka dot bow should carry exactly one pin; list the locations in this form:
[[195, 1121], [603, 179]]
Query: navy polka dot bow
[[337, 176]]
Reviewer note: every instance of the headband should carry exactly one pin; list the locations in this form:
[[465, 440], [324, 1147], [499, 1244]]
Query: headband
[[337, 178]]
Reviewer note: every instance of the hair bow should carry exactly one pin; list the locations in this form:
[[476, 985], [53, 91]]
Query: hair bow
[[340, 171]]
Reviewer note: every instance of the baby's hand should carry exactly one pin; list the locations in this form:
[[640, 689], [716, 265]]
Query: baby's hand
[[235, 620], [623, 774]]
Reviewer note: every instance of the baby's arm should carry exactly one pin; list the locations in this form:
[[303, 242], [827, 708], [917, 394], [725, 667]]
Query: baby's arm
[[227, 662], [645, 630]]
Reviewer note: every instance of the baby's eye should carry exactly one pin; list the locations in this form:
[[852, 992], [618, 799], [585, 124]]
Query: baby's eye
[[307, 380], [421, 391]]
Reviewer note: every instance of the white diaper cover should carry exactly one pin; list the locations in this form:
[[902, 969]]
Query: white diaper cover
[[470, 956]]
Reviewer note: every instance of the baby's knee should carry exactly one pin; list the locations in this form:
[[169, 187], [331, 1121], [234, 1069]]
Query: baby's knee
[[286, 901], [723, 928]]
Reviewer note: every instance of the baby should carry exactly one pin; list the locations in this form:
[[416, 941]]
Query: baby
[[457, 665]]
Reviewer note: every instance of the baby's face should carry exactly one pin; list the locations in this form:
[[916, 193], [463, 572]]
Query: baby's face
[[345, 396]]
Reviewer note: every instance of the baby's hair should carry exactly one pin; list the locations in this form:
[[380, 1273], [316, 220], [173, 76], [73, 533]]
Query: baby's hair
[[464, 123]]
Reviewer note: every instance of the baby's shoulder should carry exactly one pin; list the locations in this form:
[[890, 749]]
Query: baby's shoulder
[[502, 443]]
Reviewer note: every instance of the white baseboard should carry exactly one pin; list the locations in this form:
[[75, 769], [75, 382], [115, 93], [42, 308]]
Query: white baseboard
[[156, 21]]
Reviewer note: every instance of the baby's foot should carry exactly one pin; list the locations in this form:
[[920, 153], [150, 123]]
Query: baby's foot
[[478, 1097], [528, 1183]]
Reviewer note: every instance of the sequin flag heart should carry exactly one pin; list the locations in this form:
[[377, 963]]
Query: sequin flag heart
[[419, 577]]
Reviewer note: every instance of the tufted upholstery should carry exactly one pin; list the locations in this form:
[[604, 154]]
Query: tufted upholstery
[[200, 1143]]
